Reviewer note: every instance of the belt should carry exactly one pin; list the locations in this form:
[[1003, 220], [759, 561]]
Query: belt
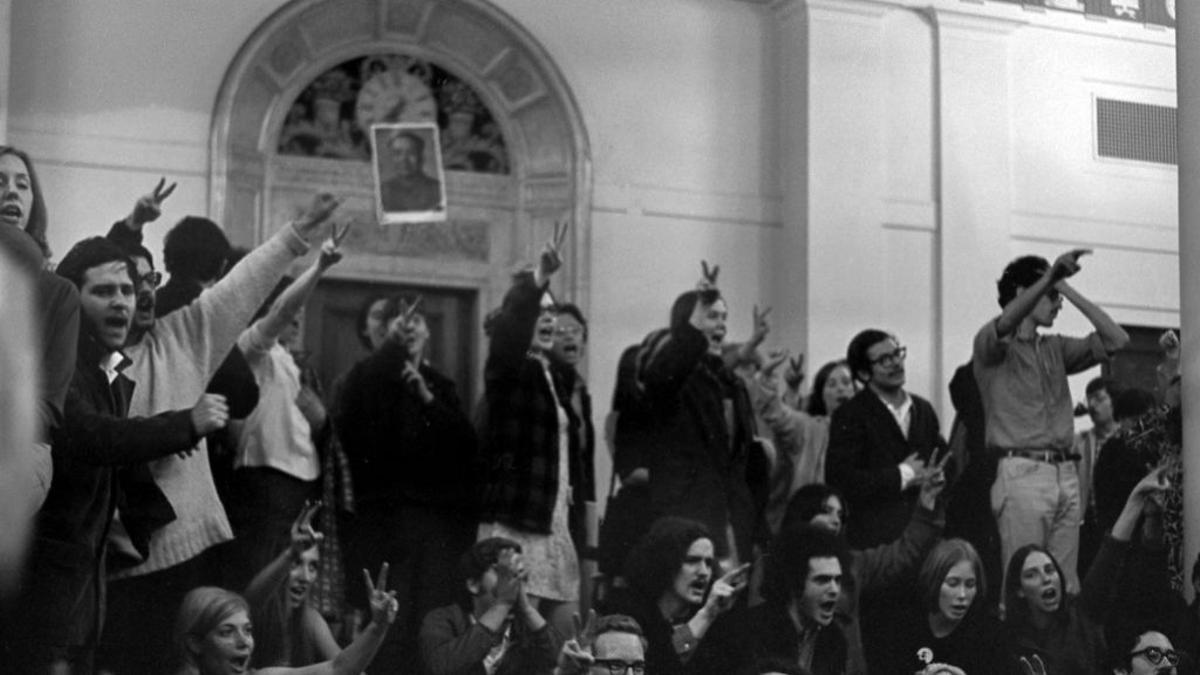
[[1048, 456]]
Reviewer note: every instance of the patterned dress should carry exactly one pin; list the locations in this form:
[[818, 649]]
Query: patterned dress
[[550, 560]]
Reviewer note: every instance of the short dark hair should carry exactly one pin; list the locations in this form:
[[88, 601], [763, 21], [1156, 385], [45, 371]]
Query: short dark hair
[[938, 562], [485, 553], [573, 310], [619, 623], [1098, 383], [682, 308], [658, 555], [791, 552], [809, 501], [856, 352], [816, 400], [390, 309], [195, 249], [1015, 607], [1020, 273], [89, 253], [1122, 638], [36, 224], [1133, 402]]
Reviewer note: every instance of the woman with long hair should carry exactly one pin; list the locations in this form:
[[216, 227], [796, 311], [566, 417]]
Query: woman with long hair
[[951, 629], [214, 635], [23, 235], [288, 629], [1067, 632], [526, 442], [801, 436]]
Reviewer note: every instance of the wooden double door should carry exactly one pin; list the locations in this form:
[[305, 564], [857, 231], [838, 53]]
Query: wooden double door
[[331, 334]]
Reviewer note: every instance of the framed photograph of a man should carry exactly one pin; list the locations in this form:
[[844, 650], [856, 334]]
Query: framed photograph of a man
[[409, 178]]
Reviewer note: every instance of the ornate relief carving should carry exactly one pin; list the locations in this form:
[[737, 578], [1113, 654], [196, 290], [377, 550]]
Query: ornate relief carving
[[513, 138]]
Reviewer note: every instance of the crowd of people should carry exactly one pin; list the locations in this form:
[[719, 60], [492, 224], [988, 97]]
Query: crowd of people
[[201, 507]]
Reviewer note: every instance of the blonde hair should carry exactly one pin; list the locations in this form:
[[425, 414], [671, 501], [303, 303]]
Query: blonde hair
[[203, 609]]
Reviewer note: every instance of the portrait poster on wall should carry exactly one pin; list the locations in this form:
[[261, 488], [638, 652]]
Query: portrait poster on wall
[[409, 177]]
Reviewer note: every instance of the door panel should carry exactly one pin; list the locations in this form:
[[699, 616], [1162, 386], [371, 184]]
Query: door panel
[[330, 332]]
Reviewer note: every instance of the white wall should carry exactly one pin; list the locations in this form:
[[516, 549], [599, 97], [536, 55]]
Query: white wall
[[850, 162], [677, 96], [945, 140]]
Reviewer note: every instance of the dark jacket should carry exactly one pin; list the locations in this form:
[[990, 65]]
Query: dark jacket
[[57, 310], [403, 452], [700, 468], [771, 633], [64, 594], [718, 652], [452, 644], [520, 444], [1074, 643], [865, 447]]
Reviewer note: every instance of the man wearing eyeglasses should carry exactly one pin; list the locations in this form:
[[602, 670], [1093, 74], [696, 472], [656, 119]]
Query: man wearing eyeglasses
[[879, 442], [1148, 652], [1022, 375]]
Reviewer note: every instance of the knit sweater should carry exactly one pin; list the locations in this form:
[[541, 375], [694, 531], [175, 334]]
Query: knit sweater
[[172, 365]]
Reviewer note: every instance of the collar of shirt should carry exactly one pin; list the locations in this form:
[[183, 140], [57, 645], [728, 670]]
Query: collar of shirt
[[113, 365], [901, 413]]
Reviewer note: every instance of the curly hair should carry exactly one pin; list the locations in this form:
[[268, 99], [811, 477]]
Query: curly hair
[[196, 249], [791, 553], [1020, 273], [658, 556]]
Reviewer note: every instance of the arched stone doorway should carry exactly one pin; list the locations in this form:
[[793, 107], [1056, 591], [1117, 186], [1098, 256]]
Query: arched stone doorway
[[495, 220]]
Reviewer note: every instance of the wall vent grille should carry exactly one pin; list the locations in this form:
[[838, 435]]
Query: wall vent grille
[[1137, 131]]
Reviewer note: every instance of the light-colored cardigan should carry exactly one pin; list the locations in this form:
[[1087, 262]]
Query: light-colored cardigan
[[172, 365]]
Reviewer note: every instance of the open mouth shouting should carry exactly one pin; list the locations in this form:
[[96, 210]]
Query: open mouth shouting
[[1050, 598], [12, 214], [697, 588], [825, 610], [240, 663]]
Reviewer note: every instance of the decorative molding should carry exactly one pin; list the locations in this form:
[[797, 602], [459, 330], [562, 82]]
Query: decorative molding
[[1075, 230], [491, 217], [689, 205]]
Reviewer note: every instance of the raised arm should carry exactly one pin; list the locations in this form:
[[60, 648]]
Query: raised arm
[[1016, 310], [355, 658], [884, 565], [513, 326], [1111, 334], [1098, 591], [292, 299], [128, 231], [271, 578]]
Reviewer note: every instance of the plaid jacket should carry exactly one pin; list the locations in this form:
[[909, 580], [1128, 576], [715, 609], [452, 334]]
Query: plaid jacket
[[520, 438]]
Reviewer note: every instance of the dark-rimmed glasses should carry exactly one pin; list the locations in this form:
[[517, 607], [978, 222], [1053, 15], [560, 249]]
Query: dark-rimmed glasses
[[890, 358], [1156, 655], [152, 278], [620, 667]]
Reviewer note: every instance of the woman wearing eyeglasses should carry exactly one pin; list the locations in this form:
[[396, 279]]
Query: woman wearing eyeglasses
[[1067, 632], [1142, 651]]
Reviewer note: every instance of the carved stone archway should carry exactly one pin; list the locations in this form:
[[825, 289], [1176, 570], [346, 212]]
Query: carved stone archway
[[495, 221]]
